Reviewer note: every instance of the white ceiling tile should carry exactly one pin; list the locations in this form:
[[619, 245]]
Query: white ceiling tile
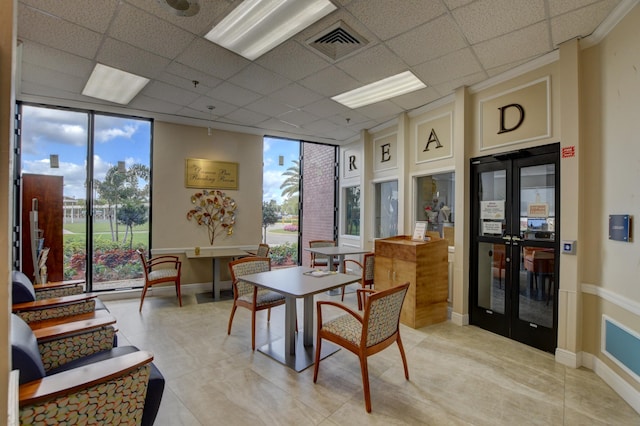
[[145, 103], [259, 79], [372, 64], [579, 22], [183, 83], [428, 41], [212, 59], [220, 109], [169, 93], [325, 108], [244, 116], [201, 23], [349, 119], [454, 4], [559, 7], [320, 126], [451, 66], [341, 133], [388, 18], [451, 85], [46, 57], [297, 117], [380, 110], [530, 42], [486, 19], [295, 95], [63, 35], [95, 17], [125, 57], [145, 31], [233, 94], [64, 81], [270, 107], [416, 99], [191, 74], [292, 60], [330, 81]]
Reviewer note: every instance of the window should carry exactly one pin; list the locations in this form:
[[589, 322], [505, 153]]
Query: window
[[435, 201], [386, 209], [352, 211]]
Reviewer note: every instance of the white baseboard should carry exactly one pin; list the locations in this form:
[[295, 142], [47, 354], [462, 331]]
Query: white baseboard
[[570, 359], [168, 289], [617, 383]]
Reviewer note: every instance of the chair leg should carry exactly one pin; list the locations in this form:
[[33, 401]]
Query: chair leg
[[268, 314], [253, 330], [404, 358], [178, 292], [233, 312], [144, 293], [316, 364], [343, 292], [365, 382]]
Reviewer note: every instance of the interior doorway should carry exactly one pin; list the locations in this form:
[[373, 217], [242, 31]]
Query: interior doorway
[[515, 210]]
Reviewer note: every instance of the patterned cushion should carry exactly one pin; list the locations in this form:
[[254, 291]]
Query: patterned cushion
[[118, 401], [384, 314], [243, 288], [55, 353], [58, 312], [265, 297], [345, 326], [58, 292], [162, 273]]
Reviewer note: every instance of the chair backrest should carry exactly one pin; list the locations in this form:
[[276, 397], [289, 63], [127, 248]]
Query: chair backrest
[[246, 266], [22, 288], [145, 267], [263, 250], [382, 314], [369, 267], [25, 354], [321, 243]]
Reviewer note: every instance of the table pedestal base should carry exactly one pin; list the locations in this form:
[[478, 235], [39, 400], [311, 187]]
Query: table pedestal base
[[304, 356]]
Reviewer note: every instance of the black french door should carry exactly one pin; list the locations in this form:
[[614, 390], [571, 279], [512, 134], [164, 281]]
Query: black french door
[[515, 209]]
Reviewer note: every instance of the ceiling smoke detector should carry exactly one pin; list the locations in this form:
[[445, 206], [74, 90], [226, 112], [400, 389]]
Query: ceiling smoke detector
[[181, 7]]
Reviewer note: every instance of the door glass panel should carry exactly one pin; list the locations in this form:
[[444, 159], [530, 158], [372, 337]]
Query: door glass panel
[[492, 268], [386, 209], [54, 143], [493, 192], [537, 202], [121, 200], [537, 282]]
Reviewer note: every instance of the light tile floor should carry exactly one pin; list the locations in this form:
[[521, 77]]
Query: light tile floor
[[458, 375]]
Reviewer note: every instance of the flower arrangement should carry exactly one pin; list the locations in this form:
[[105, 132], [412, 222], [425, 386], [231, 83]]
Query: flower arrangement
[[214, 210]]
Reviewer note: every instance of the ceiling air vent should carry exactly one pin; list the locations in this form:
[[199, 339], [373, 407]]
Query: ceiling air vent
[[337, 41]]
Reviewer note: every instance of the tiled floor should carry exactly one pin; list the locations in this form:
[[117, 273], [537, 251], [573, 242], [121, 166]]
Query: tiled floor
[[458, 375]]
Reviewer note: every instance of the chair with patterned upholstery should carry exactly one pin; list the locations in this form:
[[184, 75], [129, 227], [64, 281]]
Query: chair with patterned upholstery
[[158, 270], [366, 268], [320, 261], [249, 296], [71, 372], [263, 250], [25, 291], [366, 334]]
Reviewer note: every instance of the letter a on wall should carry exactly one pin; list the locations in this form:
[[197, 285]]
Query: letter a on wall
[[433, 138]]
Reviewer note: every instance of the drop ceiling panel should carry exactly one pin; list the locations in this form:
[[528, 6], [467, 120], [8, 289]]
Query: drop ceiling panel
[[270, 107], [169, 93], [486, 19], [380, 110], [330, 81], [186, 72], [416, 99], [63, 81], [244, 116], [212, 59], [186, 83], [95, 16], [326, 108], [131, 59], [46, 57], [295, 95], [389, 18], [259, 79], [293, 60], [54, 32], [530, 42], [233, 94], [201, 23], [297, 117], [372, 64], [145, 103], [559, 7], [428, 41], [452, 66], [145, 31], [580, 22]]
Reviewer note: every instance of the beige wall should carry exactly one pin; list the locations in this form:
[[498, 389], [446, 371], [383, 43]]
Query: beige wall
[[171, 231], [610, 108], [7, 101]]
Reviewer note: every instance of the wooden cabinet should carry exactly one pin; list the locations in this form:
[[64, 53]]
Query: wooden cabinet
[[425, 266]]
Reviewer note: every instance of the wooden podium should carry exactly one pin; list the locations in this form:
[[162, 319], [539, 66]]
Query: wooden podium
[[425, 266]]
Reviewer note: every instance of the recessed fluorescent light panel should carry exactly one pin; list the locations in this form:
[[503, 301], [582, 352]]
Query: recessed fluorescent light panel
[[381, 90], [256, 26], [111, 84]]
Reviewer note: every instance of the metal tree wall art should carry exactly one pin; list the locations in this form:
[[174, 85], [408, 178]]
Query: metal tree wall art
[[214, 210]]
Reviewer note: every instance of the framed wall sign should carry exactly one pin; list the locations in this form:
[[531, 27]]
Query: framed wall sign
[[207, 174]]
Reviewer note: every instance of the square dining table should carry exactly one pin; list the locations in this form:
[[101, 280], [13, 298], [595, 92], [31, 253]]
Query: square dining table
[[294, 351], [216, 254]]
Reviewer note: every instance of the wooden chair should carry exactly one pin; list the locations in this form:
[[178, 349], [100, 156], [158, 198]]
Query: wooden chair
[[318, 260], [169, 272], [249, 296], [366, 268], [365, 335], [263, 250]]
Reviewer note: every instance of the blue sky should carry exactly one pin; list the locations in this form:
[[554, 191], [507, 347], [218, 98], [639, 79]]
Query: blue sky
[[272, 177], [49, 131]]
